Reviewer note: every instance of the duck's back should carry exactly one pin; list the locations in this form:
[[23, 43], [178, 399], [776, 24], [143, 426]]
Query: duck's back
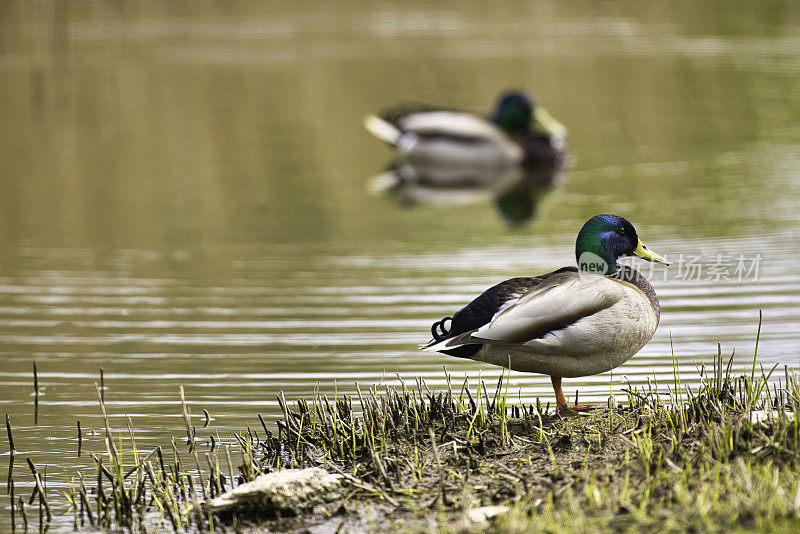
[[456, 138], [457, 125], [488, 304]]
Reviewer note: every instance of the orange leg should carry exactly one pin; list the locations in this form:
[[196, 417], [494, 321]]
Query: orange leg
[[561, 400]]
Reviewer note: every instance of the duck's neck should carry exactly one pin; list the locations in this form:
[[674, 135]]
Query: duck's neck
[[512, 122], [595, 250]]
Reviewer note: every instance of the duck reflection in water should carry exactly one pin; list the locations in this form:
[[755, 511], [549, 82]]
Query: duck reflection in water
[[516, 191], [515, 154]]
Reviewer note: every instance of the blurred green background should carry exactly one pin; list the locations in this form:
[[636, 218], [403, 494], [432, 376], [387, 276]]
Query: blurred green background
[[199, 123]]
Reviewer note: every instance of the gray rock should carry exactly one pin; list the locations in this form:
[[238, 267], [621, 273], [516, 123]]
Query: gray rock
[[485, 513], [759, 416], [286, 492]]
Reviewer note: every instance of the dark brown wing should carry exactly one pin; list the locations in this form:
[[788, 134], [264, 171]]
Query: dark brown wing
[[481, 310]]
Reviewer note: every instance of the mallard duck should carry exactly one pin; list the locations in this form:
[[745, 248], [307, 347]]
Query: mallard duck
[[574, 321], [517, 132]]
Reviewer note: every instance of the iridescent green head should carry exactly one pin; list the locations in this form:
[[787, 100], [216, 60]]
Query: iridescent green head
[[605, 238], [517, 114], [513, 113]]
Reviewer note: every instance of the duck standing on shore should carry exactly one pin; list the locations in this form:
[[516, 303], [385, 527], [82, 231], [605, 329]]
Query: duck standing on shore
[[574, 321], [518, 132]]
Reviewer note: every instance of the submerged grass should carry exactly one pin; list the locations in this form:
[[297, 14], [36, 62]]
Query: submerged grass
[[721, 457]]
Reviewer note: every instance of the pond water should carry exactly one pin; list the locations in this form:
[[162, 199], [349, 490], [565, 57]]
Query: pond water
[[184, 198]]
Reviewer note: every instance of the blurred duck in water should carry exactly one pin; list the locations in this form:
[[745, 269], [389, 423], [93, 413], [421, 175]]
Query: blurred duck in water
[[518, 132]]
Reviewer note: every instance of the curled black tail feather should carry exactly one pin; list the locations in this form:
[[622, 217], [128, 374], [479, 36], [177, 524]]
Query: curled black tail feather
[[438, 330]]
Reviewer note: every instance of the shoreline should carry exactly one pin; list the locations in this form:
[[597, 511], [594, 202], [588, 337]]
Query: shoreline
[[724, 457]]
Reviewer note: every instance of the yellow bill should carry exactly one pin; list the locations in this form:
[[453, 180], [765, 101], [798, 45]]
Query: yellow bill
[[643, 252], [545, 123]]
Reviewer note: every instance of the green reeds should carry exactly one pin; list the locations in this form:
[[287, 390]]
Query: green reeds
[[11, 447], [36, 395], [404, 450], [411, 448], [40, 489], [11, 457]]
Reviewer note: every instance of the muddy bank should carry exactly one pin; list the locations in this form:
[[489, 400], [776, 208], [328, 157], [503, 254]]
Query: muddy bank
[[721, 458], [724, 457]]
